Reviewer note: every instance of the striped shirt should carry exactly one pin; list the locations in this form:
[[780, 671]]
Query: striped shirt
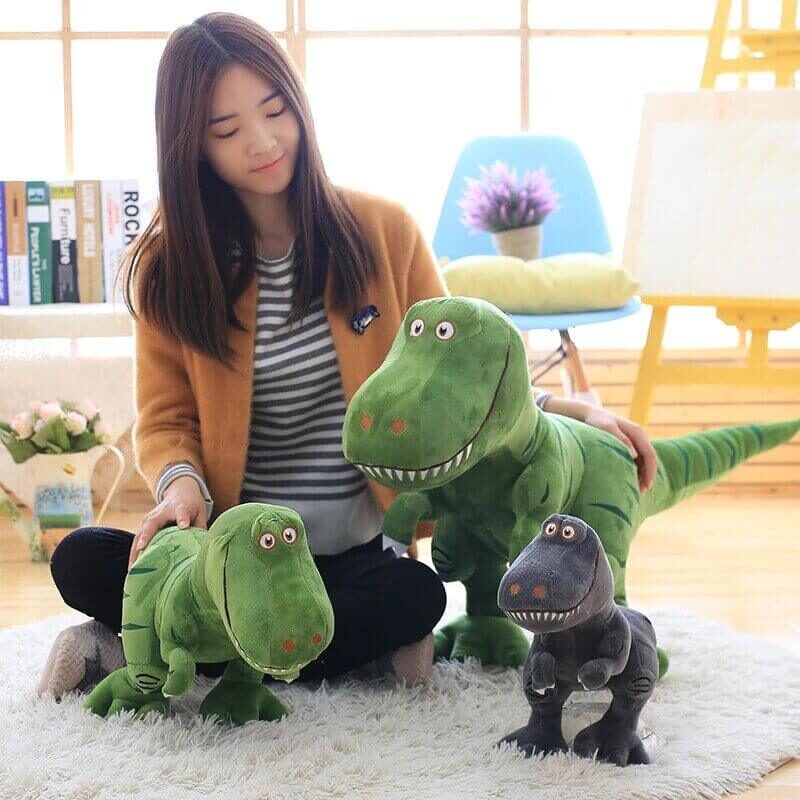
[[294, 455]]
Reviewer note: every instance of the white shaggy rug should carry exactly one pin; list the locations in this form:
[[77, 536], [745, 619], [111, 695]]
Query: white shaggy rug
[[727, 713]]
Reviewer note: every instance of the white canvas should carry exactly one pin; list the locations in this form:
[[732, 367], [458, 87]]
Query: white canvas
[[716, 196]]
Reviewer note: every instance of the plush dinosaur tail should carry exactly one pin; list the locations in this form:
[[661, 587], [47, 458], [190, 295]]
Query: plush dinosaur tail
[[688, 464]]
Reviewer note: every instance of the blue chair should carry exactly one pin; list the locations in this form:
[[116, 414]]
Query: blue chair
[[577, 227]]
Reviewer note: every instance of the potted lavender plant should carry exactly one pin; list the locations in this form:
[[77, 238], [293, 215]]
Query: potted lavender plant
[[511, 211]]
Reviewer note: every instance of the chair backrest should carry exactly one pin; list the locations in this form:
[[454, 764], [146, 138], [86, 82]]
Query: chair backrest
[[577, 226]]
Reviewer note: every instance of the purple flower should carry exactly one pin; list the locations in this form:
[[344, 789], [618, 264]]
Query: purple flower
[[498, 201]]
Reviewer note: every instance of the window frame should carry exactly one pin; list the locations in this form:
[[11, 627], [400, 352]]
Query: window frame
[[296, 34]]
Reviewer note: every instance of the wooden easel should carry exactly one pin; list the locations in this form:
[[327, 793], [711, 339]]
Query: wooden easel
[[776, 51]]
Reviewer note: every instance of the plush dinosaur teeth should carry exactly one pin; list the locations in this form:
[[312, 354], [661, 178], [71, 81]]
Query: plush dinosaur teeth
[[411, 474]]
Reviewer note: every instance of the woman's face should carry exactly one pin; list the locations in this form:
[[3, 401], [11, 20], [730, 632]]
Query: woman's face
[[251, 126]]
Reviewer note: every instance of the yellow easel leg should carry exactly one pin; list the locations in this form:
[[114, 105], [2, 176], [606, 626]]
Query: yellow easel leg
[[648, 366]]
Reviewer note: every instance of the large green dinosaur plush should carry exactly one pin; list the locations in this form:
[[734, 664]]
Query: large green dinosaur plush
[[449, 420], [247, 592]]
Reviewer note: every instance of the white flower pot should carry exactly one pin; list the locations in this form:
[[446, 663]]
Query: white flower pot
[[62, 495], [524, 243]]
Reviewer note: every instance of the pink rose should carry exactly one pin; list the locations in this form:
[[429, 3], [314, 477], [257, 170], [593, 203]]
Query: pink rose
[[50, 411], [88, 409], [22, 424], [35, 406], [102, 430], [75, 423]]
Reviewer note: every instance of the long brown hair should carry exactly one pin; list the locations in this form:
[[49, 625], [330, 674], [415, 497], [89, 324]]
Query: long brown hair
[[179, 273]]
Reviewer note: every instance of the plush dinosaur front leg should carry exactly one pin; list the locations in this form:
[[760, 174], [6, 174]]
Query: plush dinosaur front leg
[[240, 696], [404, 514], [181, 672]]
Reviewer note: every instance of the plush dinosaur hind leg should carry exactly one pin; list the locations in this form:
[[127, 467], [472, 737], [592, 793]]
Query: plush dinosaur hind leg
[[484, 631], [134, 688]]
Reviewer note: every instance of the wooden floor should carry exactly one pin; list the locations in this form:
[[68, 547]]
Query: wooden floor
[[734, 558]]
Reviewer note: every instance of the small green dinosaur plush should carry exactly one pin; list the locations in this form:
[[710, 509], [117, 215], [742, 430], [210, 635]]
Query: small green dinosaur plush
[[449, 420], [247, 592]]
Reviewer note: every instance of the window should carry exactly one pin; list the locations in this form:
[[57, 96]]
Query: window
[[157, 15], [411, 14], [110, 79], [32, 133], [392, 114], [591, 90]]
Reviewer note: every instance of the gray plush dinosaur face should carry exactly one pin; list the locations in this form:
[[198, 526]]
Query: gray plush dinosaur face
[[561, 579]]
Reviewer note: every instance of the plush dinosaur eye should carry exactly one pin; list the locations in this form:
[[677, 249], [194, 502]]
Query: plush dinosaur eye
[[289, 535], [417, 326], [268, 541], [550, 529], [568, 532], [445, 330]]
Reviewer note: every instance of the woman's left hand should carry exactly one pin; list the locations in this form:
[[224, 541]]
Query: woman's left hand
[[633, 437]]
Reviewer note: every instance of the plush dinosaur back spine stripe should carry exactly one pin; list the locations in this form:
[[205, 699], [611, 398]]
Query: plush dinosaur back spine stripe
[[690, 463]]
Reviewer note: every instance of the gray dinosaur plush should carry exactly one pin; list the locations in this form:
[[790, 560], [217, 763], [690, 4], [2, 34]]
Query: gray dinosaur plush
[[562, 590]]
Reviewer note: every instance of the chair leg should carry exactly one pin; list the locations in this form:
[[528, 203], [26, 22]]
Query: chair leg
[[577, 382]]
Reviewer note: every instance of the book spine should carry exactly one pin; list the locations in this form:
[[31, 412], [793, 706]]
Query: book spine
[[90, 242], [39, 242], [3, 254], [111, 209], [131, 215], [19, 284], [64, 233]]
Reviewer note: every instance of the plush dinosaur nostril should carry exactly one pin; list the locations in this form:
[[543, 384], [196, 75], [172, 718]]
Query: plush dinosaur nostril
[[514, 588], [398, 426], [366, 422], [539, 592], [288, 645], [316, 639]]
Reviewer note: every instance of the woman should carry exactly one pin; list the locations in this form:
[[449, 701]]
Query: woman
[[244, 287]]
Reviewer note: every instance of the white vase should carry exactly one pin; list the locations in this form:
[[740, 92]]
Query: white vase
[[62, 494], [524, 243]]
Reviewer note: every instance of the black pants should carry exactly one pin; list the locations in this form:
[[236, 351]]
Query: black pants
[[380, 602]]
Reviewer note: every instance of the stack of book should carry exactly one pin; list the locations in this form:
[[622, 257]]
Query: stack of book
[[62, 241]]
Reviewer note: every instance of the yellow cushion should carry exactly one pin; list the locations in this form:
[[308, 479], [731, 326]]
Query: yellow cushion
[[555, 285]]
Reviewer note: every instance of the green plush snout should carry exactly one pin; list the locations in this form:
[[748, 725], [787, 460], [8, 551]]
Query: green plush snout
[[410, 425], [267, 589]]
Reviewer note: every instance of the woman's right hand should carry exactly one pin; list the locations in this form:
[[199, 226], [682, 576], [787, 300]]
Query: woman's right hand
[[183, 505]]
